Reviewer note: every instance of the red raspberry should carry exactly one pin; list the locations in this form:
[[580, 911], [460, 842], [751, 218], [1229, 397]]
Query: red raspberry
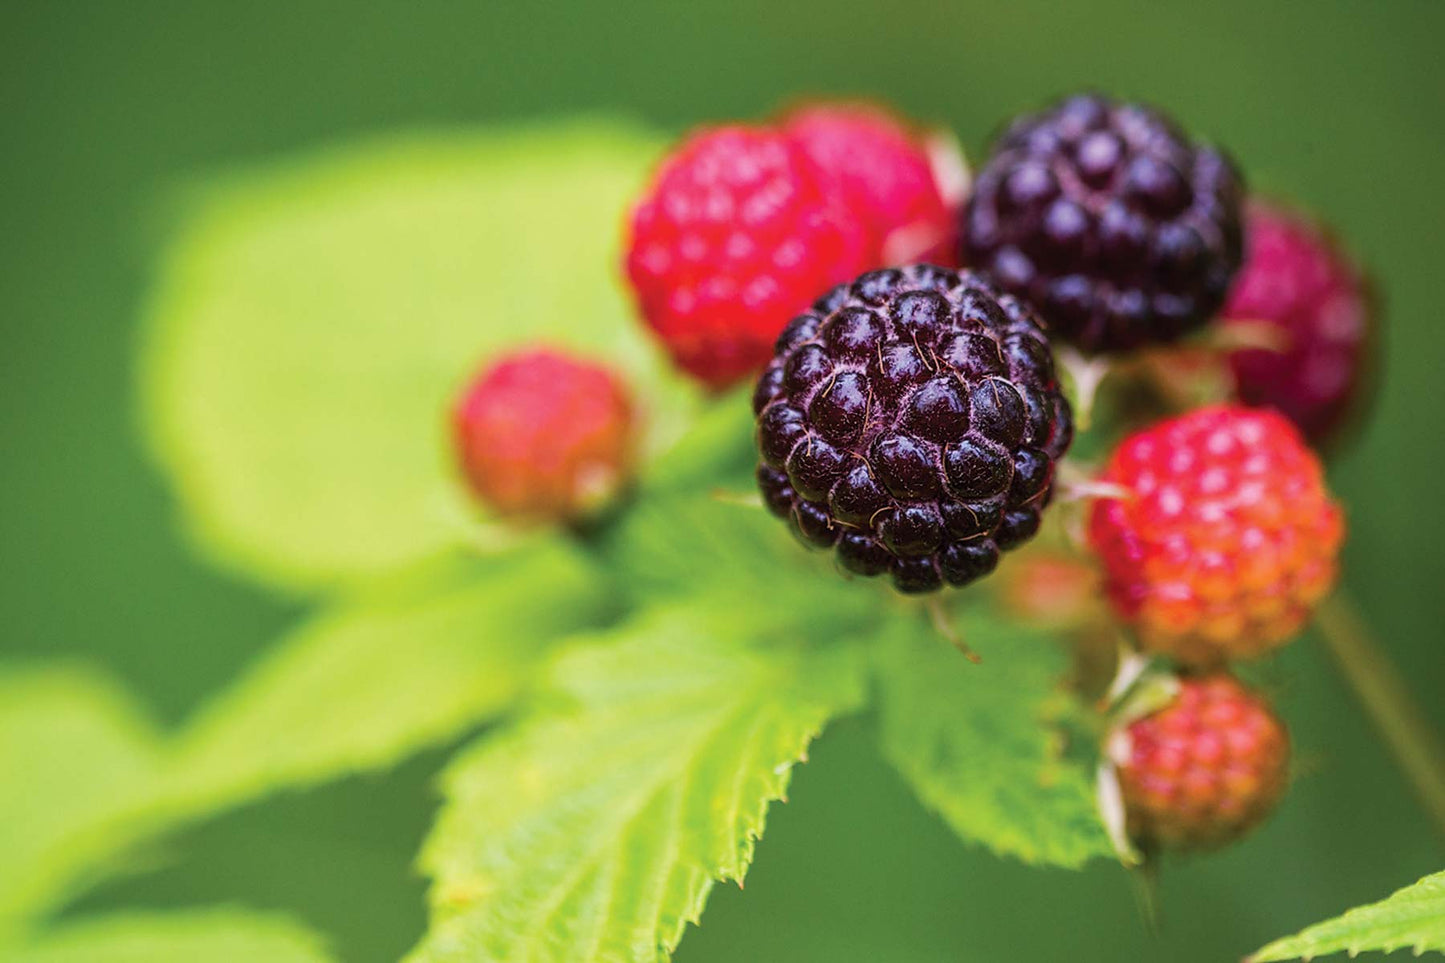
[[543, 436], [1205, 769], [1296, 278], [886, 177], [1229, 539], [737, 233]]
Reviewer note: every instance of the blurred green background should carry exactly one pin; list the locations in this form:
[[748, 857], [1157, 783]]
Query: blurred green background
[[106, 108]]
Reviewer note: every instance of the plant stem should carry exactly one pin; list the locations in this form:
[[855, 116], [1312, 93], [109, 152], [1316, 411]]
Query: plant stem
[[1386, 699], [943, 625]]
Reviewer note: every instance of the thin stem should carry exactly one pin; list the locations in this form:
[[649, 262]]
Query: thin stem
[[938, 614], [1087, 374], [1386, 699], [1076, 484], [1145, 878]]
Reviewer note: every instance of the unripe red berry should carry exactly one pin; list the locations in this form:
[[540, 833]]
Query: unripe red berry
[[887, 176], [1228, 540], [1205, 769], [543, 436], [1297, 280], [737, 233]]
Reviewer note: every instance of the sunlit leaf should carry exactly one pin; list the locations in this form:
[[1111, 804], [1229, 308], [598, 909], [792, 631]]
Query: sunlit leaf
[[596, 830], [373, 681], [975, 743], [1412, 918], [699, 526], [314, 321]]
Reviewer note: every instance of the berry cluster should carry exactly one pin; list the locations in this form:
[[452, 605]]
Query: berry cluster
[[744, 226], [909, 417], [911, 421], [1224, 542]]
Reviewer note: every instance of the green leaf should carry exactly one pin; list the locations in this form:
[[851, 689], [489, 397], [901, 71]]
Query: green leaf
[[1413, 917], [677, 542], [372, 682], [212, 936], [73, 750], [717, 452], [314, 322], [594, 831], [975, 742], [358, 688]]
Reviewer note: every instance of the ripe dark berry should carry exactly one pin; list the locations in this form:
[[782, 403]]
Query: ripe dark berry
[[911, 421], [1205, 769], [542, 436], [884, 174], [737, 232], [1228, 541], [1113, 225], [1296, 279]]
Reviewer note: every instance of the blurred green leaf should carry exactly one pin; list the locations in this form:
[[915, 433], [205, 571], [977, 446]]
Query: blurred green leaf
[[73, 749], [369, 683], [595, 830], [198, 936], [1413, 917], [313, 323], [717, 451], [415, 663], [975, 742]]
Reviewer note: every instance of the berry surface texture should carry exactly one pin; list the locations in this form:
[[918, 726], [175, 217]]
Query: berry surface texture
[[1205, 769], [1227, 539], [738, 232], [1109, 220], [1296, 279], [911, 422], [885, 177], [543, 436]]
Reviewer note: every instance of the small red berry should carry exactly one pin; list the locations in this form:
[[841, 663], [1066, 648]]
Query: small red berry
[[887, 177], [1297, 279], [1230, 537], [1205, 769], [543, 436], [737, 233]]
